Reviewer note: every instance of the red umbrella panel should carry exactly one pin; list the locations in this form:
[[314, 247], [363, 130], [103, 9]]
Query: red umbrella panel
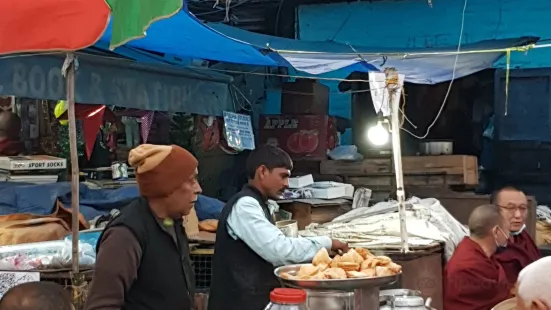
[[51, 25]]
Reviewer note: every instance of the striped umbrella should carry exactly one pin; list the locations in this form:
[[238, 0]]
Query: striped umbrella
[[68, 26], [51, 25], [131, 18], [71, 25]]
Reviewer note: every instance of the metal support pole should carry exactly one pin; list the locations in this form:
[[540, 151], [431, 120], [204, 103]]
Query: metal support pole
[[70, 88], [394, 89]]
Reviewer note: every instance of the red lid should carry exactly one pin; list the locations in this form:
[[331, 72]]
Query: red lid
[[288, 296]]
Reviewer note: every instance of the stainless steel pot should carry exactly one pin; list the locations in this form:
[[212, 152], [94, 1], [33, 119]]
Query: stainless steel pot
[[330, 300], [289, 228], [403, 299], [441, 147]]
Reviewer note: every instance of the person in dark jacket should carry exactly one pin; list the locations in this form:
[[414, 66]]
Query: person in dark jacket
[[249, 245], [143, 254]]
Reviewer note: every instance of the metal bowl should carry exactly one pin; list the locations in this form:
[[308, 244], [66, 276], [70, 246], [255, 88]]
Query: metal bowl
[[399, 292], [288, 227], [332, 284]]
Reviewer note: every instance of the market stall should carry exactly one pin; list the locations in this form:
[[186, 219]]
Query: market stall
[[97, 83], [52, 77], [95, 15]]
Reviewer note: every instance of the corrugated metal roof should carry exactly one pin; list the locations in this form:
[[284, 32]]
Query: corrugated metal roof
[[253, 15]]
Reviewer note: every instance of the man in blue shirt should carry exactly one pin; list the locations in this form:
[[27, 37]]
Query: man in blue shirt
[[249, 245]]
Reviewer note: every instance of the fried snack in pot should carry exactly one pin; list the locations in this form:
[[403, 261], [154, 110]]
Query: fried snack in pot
[[395, 268], [317, 276], [335, 273], [336, 260], [355, 274], [349, 266], [322, 267], [346, 258], [364, 253], [288, 276], [306, 271], [369, 263], [383, 260], [370, 273], [357, 257], [353, 257], [383, 271], [356, 263], [322, 257]]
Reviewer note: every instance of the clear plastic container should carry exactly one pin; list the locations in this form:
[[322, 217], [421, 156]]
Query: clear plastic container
[[287, 299]]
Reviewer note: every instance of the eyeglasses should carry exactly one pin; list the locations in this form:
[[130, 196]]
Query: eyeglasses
[[514, 208]]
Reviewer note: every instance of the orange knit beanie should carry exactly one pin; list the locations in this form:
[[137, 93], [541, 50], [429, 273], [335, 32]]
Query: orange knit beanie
[[161, 169]]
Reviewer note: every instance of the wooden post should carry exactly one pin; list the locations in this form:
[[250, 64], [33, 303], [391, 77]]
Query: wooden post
[[70, 86]]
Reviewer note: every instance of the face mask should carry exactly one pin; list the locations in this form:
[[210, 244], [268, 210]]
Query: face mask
[[516, 233], [501, 248]]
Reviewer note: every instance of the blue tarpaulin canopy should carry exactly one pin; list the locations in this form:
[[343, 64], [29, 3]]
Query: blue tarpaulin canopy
[[421, 66], [185, 36]]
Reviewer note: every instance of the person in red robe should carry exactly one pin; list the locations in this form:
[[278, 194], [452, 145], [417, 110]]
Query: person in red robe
[[10, 129], [521, 249], [473, 279]]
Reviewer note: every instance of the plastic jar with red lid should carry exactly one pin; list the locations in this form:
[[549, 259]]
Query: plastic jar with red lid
[[287, 299]]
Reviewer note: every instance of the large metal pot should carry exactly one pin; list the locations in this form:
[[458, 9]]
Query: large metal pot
[[441, 147], [330, 300], [288, 227], [403, 299]]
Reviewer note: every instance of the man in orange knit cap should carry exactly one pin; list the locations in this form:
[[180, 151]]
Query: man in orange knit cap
[[143, 255]]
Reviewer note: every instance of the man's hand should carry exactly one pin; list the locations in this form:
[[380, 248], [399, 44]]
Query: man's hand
[[513, 291], [337, 245], [540, 305]]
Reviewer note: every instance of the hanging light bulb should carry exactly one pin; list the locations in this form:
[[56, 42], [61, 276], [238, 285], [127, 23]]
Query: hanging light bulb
[[378, 135]]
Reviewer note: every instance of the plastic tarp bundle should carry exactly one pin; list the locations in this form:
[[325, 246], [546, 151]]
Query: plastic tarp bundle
[[48, 255], [378, 226]]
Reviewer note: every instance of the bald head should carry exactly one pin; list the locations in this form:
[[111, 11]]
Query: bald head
[[10, 125], [485, 218], [533, 286], [36, 296]]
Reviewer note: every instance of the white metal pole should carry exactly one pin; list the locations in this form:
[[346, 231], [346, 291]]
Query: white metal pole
[[394, 90]]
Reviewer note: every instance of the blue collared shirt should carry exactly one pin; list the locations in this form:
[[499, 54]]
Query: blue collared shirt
[[247, 222]]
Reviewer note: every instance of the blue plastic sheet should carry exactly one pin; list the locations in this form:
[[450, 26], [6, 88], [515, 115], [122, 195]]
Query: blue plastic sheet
[[185, 36], [429, 68], [40, 200]]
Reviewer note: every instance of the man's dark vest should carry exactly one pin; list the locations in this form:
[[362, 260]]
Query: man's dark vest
[[165, 275], [241, 280]]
